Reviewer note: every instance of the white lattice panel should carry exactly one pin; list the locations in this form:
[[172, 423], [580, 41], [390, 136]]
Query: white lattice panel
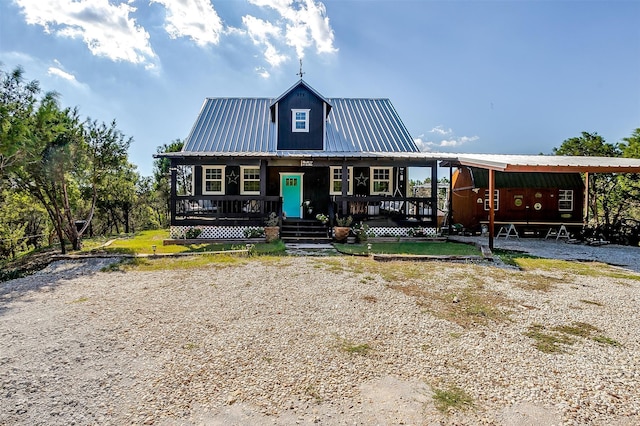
[[382, 231], [212, 232]]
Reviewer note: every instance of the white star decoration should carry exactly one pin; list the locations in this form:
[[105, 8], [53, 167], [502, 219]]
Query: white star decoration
[[362, 179], [233, 177]]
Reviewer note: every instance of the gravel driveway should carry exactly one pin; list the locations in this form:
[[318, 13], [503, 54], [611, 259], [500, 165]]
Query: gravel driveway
[[303, 340]]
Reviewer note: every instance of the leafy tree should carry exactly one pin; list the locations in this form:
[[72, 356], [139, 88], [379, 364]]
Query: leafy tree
[[18, 100], [613, 198], [162, 181]]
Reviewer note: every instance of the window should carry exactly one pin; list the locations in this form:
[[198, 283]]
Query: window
[[496, 199], [250, 180], [213, 180], [565, 200], [300, 120], [336, 180], [381, 180]]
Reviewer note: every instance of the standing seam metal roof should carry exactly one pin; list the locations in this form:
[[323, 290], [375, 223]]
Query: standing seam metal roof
[[243, 125]]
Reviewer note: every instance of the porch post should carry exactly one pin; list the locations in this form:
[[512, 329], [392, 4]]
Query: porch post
[[263, 185], [173, 191], [492, 185], [345, 185], [434, 193], [450, 200], [585, 209]]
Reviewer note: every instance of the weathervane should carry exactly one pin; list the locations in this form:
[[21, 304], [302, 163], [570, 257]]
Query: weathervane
[[300, 73]]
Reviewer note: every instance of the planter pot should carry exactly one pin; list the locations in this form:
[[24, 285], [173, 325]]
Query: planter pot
[[271, 233], [340, 233]]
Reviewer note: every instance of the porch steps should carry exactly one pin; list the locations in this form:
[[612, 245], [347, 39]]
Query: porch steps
[[303, 231]]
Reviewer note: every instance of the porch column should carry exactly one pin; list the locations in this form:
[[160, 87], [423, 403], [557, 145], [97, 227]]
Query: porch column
[[263, 185], [450, 200], [492, 186], [585, 209], [345, 186], [173, 170], [434, 194]]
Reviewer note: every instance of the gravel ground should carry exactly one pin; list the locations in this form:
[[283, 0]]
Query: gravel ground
[[276, 342], [624, 256]]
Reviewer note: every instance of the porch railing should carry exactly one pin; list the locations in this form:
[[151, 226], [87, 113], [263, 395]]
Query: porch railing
[[206, 208], [398, 208]]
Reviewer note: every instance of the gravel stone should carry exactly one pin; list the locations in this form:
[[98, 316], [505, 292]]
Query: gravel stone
[[275, 342]]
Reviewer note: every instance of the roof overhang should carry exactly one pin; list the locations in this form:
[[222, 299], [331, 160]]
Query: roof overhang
[[547, 163]]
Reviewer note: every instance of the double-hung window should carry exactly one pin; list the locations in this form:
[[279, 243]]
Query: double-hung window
[[300, 120], [381, 180], [213, 180], [565, 200], [336, 180], [250, 180], [496, 199]]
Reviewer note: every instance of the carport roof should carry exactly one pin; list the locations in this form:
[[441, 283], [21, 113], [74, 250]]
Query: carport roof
[[546, 163]]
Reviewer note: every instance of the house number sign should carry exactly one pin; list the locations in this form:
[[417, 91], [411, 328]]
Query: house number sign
[[306, 163]]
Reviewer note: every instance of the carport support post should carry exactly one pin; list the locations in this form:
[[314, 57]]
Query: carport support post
[[492, 185]]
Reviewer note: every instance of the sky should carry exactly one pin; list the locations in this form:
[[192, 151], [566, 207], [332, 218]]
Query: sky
[[509, 76]]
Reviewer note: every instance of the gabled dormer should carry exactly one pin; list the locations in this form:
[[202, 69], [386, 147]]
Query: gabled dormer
[[300, 114]]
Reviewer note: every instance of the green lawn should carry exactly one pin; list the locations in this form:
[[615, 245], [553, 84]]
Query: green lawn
[[433, 248], [143, 243]]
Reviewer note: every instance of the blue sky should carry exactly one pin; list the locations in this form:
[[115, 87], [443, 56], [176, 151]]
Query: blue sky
[[515, 77]]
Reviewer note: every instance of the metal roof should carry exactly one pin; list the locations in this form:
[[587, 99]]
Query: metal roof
[[527, 180], [549, 163], [242, 126]]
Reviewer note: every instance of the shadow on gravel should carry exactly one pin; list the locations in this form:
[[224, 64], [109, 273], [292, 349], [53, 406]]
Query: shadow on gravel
[[46, 279]]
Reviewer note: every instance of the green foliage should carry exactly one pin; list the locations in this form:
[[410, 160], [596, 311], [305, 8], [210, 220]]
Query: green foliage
[[253, 232], [344, 221], [418, 247], [613, 199], [272, 219], [452, 398]]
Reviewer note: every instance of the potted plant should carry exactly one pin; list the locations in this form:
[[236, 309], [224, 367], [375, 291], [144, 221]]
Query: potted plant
[[342, 228], [361, 232], [272, 227]]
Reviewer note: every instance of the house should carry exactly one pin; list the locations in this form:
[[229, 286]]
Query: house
[[533, 201], [298, 155]]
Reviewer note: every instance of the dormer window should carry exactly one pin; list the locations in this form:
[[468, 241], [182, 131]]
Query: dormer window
[[300, 120]]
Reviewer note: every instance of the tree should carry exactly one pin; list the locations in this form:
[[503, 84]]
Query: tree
[[162, 181], [612, 198], [18, 101]]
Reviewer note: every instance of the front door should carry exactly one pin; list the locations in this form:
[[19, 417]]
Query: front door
[[291, 193]]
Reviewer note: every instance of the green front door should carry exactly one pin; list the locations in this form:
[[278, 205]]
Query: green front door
[[291, 192]]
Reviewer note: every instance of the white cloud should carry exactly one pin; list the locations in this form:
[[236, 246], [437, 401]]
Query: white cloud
[[304, 24], [106, 29], [196, 19], [62, 74], [263, 72], [262, 33], [451, 141], [439, 130]]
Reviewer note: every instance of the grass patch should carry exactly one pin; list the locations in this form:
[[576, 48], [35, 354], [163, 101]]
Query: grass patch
[[80, 300], [547, 342], [143, 242], [606, 340], [176, 263], [591, 302], [450, 399], [588, 269], [475, 305], [354, 348], [512, 257], [560, 337], [433, 248]]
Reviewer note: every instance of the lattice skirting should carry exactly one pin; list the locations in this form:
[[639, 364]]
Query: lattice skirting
[[212, 232], [237, 232], [383, 231]]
